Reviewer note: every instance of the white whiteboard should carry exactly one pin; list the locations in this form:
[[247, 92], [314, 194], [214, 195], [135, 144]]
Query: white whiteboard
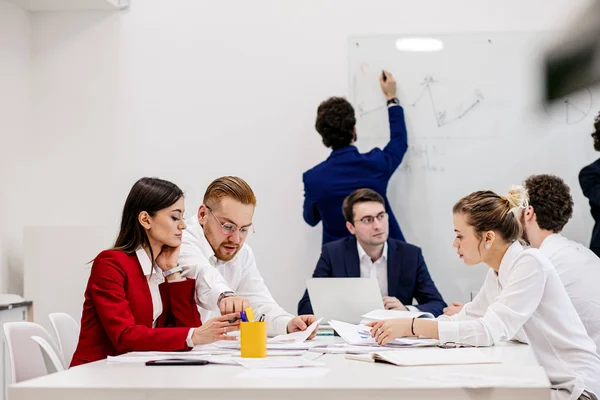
[[474, 122]]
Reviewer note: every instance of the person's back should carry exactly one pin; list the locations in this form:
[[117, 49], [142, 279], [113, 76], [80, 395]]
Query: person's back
[[346, 170], [579, 270]]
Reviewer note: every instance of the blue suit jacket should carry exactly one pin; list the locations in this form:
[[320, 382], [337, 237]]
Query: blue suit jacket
[[589, 180], [408, 277], [346, 170]]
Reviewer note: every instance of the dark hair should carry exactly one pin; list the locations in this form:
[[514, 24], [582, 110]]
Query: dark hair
[[487, 211], [359, 196], [551, 199], [335, 122], [229, 186], [596, 134], [150, 195]]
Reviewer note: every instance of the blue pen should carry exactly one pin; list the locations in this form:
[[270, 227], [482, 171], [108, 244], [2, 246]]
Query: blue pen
[[243, 316]]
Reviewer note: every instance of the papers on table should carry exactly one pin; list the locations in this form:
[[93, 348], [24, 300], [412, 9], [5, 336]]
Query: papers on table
[[296, 337], [235, 345], [277, 362], [359, 335], [421, 357]]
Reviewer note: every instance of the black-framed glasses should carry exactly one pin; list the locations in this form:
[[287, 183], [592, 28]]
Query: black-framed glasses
[[231, 228], [369, 219]]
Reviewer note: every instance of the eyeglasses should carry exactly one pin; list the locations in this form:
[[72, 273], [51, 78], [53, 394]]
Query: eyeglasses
[[369, 219], [229, 228]]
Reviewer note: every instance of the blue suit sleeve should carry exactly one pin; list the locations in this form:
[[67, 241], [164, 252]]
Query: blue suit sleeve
[[429, 298], [589, 180], [323, 270], [395, 150], [311, 213]]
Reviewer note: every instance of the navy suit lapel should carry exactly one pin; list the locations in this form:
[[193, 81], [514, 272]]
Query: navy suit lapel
[[394, 266], [351, 258]]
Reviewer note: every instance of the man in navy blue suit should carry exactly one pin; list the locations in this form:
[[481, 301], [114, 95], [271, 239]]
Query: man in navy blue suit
[[399, 267], [345, 170]]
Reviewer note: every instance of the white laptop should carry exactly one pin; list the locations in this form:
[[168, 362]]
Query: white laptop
[[344, 299]]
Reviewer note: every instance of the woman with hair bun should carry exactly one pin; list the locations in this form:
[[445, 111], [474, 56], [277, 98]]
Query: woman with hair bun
[[522, 294]]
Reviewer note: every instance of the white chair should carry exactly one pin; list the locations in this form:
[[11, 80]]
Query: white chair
[[26, 358], [51, 358], [66, 329]]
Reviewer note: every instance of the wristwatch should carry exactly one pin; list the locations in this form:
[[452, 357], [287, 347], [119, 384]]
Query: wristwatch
[[225, 294], [393, 101], [172, 271]]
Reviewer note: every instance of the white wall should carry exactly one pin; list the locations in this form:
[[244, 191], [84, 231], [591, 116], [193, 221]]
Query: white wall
[[191, 90], [15, 32]]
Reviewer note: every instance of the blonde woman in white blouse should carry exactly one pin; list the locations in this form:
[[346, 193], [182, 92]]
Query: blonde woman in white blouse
[[522, 294]]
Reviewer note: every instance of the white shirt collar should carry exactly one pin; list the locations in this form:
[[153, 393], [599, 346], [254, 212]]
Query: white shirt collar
[[145, 262], [362, 253], [506, 264], [550, 243], [197, 231]]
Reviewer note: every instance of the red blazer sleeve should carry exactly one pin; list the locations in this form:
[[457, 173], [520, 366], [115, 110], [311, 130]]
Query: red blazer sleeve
[[179, 304], [107, 286]]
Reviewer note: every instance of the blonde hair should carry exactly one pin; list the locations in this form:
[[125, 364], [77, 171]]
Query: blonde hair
[[488, 211], [229, 186]]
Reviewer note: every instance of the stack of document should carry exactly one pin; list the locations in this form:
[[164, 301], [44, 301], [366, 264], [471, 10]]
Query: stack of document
[[378, 315], [359, 335]]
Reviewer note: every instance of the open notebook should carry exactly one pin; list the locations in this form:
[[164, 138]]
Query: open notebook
[[427, 356]]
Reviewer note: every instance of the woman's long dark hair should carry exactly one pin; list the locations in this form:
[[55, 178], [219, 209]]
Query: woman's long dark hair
[[150, 195]]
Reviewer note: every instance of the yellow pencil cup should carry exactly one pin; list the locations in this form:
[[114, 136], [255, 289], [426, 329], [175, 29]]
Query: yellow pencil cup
[[253, 339]]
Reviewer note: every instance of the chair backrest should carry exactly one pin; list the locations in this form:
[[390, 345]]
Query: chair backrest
[[52, 360], [66, 329], [26, 358]]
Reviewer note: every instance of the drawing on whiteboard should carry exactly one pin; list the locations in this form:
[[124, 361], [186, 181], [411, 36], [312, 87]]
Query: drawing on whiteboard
[[571, 109], [441, 116]]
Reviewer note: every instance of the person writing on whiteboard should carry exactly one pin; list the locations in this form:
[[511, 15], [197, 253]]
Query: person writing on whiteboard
[[346, 170], [550, 208], [399, 267], [522, 294], [215, 239], [589, 180], [136, 298]]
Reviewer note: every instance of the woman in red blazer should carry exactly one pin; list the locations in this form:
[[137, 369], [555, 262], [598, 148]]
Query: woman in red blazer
[[135, 304]]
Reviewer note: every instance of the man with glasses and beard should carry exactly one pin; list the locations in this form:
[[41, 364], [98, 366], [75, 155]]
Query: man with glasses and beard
[[215, 238], [399, 267]]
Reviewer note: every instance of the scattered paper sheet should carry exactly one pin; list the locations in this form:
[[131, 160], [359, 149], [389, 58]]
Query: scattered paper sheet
[[232, 345], [359, 335], [296, 337], [277, 362]]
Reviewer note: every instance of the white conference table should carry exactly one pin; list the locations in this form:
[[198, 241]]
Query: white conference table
[[517, 377]]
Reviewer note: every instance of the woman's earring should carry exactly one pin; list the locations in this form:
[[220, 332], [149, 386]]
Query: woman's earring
[[487, 245]]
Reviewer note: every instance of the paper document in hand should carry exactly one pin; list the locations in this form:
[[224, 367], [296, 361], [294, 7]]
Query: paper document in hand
[[296, 337], [378, 315], [422, 357], [359, 335]]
